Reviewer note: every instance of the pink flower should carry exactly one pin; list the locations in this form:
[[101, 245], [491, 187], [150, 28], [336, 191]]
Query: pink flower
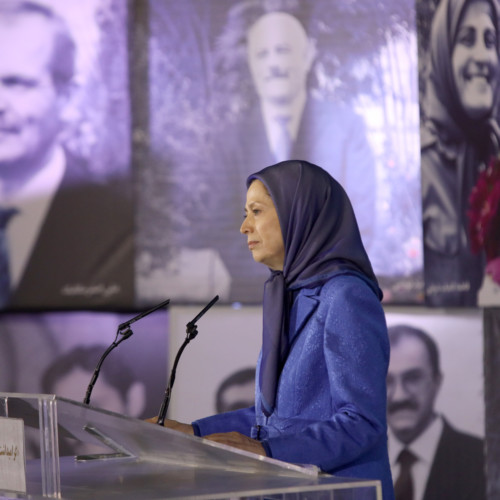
[[484, 212], [493, 269]]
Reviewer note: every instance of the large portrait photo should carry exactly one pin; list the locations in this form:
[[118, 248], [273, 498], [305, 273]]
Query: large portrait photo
[[66, 217], [59, 353], [459, 54], [261, 81], [435, 404]]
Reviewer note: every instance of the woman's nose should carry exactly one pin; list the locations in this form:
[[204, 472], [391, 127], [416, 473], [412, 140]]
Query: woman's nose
[[244, 226], [482, 52]]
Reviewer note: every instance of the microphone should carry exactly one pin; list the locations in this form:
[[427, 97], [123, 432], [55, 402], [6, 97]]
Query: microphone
[[125, 331], [191, 332]]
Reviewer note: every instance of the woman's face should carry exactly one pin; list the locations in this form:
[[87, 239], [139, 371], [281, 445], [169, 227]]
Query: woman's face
[[475, 60], [262, 227]]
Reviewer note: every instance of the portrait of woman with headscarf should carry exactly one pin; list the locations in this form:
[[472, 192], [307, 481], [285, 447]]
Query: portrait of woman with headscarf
[[321, 375], [459, 135]]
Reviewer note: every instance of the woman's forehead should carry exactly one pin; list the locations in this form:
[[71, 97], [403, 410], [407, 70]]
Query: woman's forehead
[[257, 189]]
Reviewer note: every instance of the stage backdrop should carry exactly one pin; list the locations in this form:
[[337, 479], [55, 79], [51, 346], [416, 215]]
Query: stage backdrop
[[57, 352], [218, 72], [460, 138], [65, 156], [158, 111], [216, 369], [230, 339]]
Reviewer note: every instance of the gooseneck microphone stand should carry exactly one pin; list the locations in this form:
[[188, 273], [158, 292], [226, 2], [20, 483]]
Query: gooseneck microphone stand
[[191, 332], [125, 332]]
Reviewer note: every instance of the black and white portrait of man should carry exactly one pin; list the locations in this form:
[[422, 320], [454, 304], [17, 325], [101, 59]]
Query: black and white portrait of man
[[258, 81], [435, 406], [66, 234]]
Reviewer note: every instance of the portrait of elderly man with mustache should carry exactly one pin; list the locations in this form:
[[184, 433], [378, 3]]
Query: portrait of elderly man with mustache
[[284, 118], [429, 458]]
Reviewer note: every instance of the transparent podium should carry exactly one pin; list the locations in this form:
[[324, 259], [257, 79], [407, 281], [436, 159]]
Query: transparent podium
[[121, 457]]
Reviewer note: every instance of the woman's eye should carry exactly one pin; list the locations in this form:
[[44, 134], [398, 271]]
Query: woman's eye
[[467, 37], [490, 39], [256, 211]]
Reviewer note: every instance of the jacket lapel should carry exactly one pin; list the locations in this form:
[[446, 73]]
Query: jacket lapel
[[306, 303]]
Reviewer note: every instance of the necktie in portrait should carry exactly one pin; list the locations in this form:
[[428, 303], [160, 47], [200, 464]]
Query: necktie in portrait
[[6, 215], [283, 139], [403, 488]]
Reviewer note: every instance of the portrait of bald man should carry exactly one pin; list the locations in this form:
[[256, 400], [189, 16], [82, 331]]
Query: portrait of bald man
[[285, 120]]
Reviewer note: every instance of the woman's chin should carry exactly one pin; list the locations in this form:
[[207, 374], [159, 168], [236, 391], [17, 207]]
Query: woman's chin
[[478, 107]]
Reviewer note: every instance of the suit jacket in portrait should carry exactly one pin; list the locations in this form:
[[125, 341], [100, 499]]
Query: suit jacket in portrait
[[83, 255], [457, 470]]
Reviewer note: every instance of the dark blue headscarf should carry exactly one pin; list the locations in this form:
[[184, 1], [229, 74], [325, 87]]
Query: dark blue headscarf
[[321, 238]]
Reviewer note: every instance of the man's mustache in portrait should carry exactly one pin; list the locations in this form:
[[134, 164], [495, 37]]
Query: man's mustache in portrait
[[276, 73], [401, 405]]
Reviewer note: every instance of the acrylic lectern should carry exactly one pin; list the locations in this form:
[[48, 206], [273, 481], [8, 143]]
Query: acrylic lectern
[[127, 458]]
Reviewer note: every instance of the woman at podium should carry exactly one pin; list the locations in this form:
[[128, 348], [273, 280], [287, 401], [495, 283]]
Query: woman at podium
[[320, 383]]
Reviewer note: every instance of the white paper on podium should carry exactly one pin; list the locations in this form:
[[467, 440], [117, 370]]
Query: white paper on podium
[[12, 456]]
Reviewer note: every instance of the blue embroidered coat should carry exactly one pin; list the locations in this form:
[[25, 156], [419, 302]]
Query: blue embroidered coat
[[331, 401]]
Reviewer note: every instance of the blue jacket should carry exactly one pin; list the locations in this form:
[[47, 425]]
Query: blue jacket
[[331, 402]]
